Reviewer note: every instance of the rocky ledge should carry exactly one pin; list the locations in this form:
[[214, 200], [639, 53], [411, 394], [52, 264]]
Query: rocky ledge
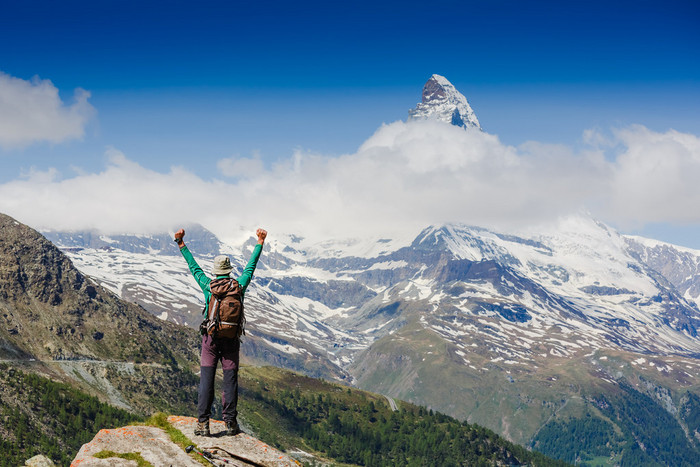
[[127, 445]]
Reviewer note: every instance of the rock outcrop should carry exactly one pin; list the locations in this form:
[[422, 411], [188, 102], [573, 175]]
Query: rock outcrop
[[39, 461], [153, 445]]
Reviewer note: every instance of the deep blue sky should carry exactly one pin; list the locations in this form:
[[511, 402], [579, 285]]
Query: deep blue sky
[[125, 45], [187, 83], [323, 75]]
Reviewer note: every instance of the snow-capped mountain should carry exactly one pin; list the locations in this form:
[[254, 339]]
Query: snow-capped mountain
[[423, 318], [580, 286], [680, 266], [140, 268], [149, 270], [441, 101]]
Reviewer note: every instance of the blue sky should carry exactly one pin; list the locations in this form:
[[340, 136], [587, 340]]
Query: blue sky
[[182, 84]]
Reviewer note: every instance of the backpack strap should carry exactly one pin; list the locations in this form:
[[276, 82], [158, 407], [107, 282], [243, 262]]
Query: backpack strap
[[214, 318]]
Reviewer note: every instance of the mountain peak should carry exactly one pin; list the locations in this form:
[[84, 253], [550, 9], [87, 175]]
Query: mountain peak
[[441, 101]]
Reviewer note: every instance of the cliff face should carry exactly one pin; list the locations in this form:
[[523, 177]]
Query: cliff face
[[61, 323]]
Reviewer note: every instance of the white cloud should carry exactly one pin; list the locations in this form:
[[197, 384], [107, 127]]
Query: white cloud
[[656, 178], [240, 167], [32, 111], [404, 177]]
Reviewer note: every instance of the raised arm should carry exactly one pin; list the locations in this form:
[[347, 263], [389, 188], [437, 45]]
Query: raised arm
[[201, 278], [247, 275]]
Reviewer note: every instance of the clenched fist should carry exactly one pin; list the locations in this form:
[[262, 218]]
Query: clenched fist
[[261, 236], [178, 237]]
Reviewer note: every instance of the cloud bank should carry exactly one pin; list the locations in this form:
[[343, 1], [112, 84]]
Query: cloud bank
[[32, 111], [404, 177]]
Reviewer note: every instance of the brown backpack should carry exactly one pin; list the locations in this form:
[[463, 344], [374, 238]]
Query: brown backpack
[[225, 312]]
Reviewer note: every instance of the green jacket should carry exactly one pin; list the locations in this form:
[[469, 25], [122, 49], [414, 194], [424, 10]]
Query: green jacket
[[204, 281]]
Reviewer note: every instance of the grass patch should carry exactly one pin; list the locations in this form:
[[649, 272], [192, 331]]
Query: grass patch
[[132, 456], [160, 420]]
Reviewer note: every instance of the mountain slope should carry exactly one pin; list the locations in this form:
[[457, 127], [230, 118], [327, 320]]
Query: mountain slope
[[360, 428], [58, 322], [40, 416], [312, 420], [676, 265]]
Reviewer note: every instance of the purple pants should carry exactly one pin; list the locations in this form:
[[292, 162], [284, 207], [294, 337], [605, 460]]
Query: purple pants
[[213, 350]]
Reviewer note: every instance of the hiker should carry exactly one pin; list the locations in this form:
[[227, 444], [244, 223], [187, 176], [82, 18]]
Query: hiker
[[220, 338]]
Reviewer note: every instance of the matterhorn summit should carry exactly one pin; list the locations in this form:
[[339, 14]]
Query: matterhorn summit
[[441, 101]]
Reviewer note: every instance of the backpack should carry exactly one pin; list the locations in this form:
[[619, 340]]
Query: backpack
[[225, 309]]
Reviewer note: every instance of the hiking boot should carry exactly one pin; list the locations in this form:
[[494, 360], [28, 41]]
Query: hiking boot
[[202, 429], [232, 428]]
